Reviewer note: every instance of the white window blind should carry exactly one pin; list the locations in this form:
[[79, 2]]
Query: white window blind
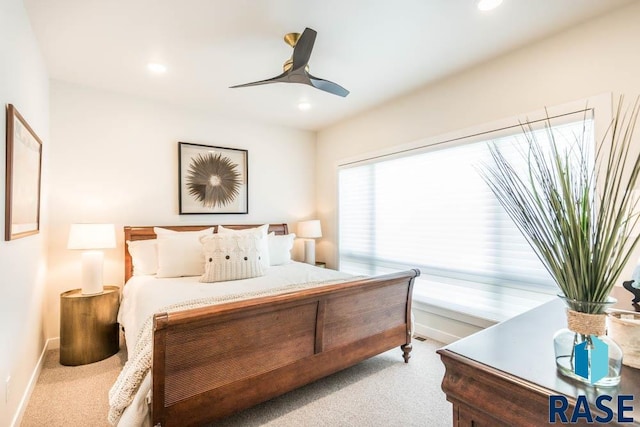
[[432, 210]]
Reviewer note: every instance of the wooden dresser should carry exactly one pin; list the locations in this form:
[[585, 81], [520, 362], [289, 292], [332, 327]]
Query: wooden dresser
[[504, 375]]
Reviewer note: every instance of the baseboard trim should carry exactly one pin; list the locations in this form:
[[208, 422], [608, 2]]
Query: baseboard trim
[[435, 334], [51, 343]]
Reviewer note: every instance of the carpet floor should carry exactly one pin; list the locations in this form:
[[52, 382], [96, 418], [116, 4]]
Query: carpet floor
[[381, 391]]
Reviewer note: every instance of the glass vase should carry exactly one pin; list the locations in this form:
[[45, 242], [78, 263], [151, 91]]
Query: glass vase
[[583, 350]]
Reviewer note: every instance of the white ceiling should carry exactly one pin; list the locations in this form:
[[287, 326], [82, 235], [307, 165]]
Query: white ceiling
[[377, 49]]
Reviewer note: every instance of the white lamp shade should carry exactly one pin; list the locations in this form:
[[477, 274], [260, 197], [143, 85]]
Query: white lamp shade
[[309, 229], [92, 236]]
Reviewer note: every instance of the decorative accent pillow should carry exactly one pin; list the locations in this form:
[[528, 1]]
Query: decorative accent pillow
[[263, 246], [280, 248], [231, 257], [180, 252], [144, 256]]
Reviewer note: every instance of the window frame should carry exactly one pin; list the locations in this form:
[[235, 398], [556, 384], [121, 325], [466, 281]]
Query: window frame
[[599, 107]]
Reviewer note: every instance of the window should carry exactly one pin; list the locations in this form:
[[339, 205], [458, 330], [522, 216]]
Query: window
[[430, 208]]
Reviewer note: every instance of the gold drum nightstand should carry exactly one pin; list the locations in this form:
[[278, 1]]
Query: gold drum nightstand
[[88, 326]]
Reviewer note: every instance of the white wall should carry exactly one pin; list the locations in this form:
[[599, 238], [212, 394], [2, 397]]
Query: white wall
[[23, 83], [596, 57], [116, 161]]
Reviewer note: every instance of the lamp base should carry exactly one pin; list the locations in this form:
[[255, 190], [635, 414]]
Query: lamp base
[[310, 251], [92, 262]]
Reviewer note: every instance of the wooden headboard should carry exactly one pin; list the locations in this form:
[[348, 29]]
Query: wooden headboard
[[146, 232]]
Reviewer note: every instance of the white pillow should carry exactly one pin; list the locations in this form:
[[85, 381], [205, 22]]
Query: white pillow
[[180, 253], [261, 231], [280, 248], [144, 256], [231, 256]]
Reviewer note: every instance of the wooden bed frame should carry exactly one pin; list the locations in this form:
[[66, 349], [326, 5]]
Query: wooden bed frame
[[211, 362]]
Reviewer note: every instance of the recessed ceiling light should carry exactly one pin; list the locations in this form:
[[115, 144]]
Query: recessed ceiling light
[[304, 106], [156, 68], [485, 5]]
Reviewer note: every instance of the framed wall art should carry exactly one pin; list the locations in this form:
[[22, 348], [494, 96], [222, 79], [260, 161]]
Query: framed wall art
[[212, 180], [22, 193]]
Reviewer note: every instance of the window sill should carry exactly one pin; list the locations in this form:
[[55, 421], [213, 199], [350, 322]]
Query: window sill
[[477, 304]]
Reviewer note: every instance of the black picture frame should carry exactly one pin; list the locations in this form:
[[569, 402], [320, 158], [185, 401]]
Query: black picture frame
[[212, 179], [23, 177]]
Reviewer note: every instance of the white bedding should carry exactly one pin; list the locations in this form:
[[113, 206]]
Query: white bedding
[[145, 295]]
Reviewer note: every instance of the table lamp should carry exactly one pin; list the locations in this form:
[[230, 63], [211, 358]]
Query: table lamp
[[91, 238], [309, 230]]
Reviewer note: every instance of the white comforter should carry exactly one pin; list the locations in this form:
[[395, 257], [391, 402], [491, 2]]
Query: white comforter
[[145, 295]]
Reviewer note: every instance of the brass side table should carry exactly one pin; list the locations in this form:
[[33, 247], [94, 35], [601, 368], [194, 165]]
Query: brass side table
[[88, 326]]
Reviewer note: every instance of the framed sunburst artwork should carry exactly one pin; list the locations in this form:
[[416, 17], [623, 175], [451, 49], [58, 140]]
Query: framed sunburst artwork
[[212, 180]]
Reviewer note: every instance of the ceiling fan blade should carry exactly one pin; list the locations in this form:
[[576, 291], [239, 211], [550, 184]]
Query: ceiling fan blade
[[303, 48], [276, 79], [328, 86]]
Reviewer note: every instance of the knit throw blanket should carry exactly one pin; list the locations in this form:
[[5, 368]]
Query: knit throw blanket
[[139, 363]]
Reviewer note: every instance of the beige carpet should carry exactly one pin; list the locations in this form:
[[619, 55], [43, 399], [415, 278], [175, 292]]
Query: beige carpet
[[381, 391], [72, 395]]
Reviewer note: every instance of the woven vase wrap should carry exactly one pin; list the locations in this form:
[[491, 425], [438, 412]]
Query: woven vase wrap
[[587, 324]]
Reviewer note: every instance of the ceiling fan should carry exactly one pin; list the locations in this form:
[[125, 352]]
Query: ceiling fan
[[296, 68]]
